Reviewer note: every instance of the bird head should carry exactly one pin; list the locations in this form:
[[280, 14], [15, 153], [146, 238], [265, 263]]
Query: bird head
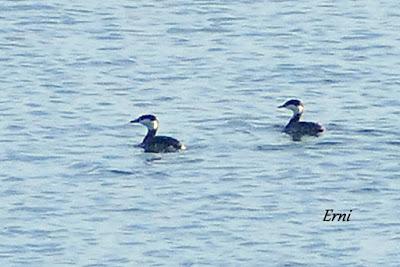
[[294, 105], [148, 120]]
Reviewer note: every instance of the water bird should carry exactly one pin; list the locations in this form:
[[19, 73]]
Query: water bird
[[153, 143], [296, 128]]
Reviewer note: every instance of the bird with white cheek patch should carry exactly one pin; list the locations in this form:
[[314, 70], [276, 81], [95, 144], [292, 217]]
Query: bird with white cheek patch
[[153, 143], [296, 128]]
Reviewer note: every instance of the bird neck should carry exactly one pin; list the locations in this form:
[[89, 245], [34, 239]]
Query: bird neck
[[150, 135], [296, 117]]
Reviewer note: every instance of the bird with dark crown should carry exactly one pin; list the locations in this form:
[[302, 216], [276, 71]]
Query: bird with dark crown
[[153, 143], [296, 128]]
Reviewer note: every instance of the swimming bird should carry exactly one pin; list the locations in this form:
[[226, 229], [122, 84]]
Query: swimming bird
[[296, 128], [153, 143]]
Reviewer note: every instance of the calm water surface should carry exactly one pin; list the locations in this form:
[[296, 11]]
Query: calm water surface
[[77, 192]]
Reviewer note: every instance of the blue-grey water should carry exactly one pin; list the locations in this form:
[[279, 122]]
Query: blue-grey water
[[75, 191]]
